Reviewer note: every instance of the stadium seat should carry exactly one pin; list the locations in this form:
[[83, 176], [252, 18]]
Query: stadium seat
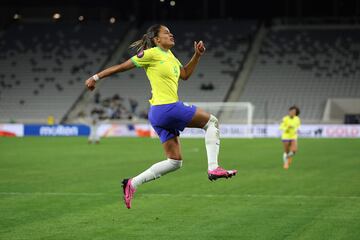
[[42, 57], [303, 67]]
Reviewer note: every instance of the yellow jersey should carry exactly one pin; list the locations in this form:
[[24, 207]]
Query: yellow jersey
[[289, 127], [163, 70]]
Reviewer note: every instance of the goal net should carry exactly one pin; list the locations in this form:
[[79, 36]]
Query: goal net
[[229, 112]]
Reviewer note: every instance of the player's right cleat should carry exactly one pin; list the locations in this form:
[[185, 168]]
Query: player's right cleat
[[128, 192], [220, 173]]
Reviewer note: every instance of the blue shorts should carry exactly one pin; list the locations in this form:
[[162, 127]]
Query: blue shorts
[[169, 119]]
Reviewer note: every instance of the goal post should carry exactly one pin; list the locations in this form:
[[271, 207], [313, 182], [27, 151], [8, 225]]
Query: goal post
[[229, 112], [235, 119]]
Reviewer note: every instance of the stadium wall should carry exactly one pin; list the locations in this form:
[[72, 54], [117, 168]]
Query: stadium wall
[[337, 108], [145, 130]]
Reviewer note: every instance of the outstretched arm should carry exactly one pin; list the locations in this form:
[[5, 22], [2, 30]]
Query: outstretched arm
[[188, 69], [127, 65]]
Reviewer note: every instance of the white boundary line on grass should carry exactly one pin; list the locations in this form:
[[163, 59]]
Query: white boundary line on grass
[[178, 195]]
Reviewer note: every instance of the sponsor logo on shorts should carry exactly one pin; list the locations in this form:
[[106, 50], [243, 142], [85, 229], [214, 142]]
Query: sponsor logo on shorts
[[186, 104]]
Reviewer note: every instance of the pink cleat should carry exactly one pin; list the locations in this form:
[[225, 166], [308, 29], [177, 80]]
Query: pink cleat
[[220, 173], [128, 192]]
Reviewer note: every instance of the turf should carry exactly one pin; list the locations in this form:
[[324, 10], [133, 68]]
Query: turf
[[62, 188]]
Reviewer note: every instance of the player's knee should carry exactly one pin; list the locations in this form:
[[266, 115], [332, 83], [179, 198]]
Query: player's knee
[[213, 122], [174, 156], [291, 153]]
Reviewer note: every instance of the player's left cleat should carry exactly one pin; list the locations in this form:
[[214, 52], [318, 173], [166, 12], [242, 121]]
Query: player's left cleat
[[128, 192], [220, 173]]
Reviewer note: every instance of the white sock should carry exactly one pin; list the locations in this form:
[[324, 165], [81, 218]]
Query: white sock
[[212, 142], [285, 156], [155, 171], [290, 154]]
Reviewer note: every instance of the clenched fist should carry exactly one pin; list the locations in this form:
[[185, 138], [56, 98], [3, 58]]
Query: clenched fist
[[90, 84], [199, 48]]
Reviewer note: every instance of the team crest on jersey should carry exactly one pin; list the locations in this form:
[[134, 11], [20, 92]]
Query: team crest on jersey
[[140, 54]]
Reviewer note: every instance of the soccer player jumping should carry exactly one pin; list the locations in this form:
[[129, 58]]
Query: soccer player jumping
[[167, 115]]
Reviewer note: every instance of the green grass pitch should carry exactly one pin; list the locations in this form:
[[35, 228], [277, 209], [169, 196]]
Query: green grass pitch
[[63, 188]]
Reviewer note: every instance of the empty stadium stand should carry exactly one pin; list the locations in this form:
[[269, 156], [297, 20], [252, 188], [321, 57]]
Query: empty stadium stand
[[43, 65], [303, 67]]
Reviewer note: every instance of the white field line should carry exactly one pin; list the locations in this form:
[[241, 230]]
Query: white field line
[[179, 195]]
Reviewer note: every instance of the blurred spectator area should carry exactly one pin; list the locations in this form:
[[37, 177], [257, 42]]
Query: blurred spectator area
[[304, 67], [43, 65], [43, 68]]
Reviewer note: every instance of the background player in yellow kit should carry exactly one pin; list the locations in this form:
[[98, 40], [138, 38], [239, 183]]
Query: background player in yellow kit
[[289, 127]]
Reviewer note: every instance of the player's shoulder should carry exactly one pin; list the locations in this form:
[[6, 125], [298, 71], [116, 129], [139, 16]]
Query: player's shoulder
[[175, 57], [145, 53], [173, 54], [297, 118], [151, 50], [286, 117]]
